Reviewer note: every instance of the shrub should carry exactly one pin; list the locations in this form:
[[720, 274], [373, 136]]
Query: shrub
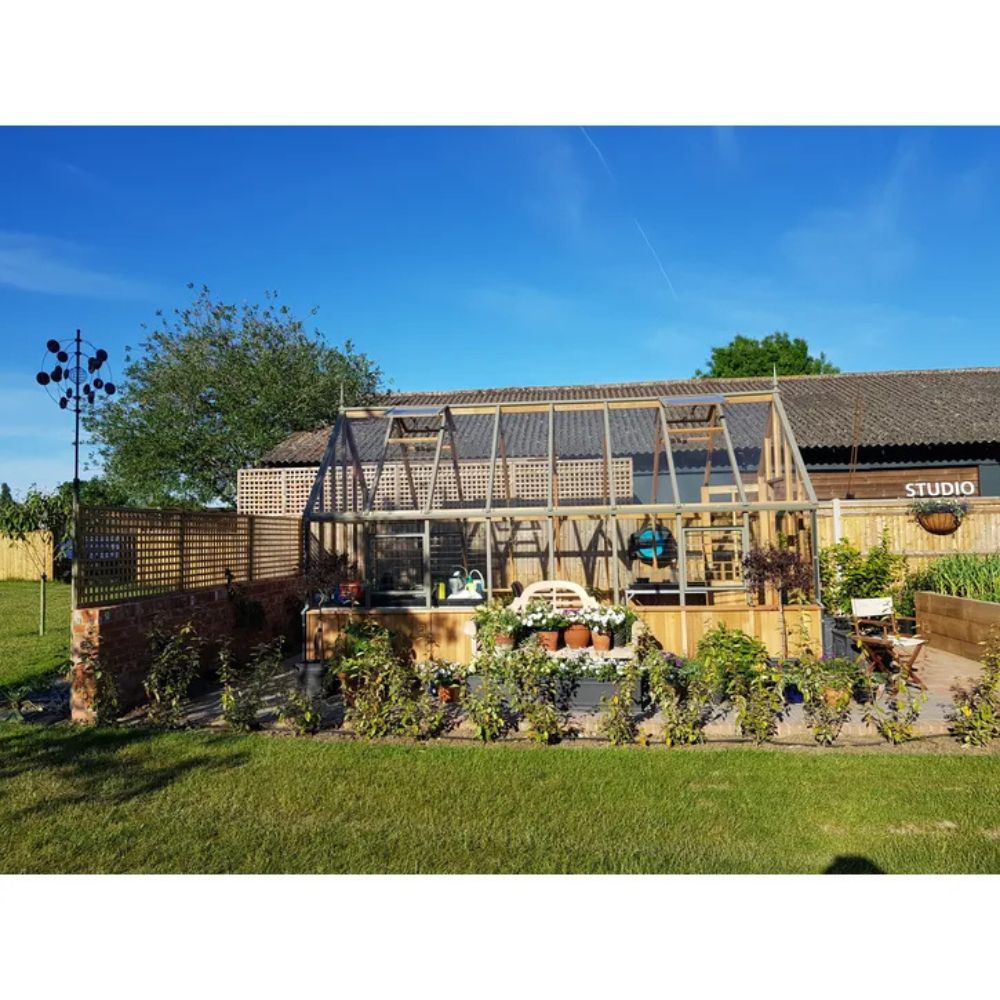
[[959, 508], [827, 686], [682, 697], [759, 700], [539, 615], [618, 723], [894, 711], [725, 653], [303, 714], [975, 717], [176, 658], [846, 574], [389, 697], [244, 684], [489, 711]]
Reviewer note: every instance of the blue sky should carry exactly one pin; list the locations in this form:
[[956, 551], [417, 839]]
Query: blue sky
[[484, 257]]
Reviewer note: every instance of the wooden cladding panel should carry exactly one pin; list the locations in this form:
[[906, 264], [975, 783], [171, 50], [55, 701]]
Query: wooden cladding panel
[[887, 484], [26, 560], [441, 631], [862, 523]]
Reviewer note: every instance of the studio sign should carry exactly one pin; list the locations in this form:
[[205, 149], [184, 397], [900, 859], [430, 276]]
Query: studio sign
[[959, 488]]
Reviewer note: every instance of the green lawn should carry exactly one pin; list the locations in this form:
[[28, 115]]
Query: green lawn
[[25, 656], [134, 801]]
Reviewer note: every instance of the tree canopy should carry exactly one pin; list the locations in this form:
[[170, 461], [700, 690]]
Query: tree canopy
[[213, 388], [744, 357]]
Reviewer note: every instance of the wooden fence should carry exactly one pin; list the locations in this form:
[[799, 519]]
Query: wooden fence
[[862, 523], [127, 553], [27, 560]]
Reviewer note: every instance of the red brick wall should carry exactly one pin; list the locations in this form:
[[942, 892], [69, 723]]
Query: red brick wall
[[119, 632]]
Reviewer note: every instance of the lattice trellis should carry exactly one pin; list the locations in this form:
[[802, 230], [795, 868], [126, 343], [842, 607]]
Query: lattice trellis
[[127, 553], [286, 491]]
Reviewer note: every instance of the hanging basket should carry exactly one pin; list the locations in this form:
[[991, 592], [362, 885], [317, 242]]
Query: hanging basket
[[942, 522]]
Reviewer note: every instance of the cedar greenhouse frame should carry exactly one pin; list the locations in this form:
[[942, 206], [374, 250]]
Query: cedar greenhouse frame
[[394, 473]]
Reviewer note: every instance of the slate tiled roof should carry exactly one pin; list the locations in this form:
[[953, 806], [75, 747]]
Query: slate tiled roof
[[930, 407]]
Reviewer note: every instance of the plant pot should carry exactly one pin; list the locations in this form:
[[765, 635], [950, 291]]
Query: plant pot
[[577, 636], [503, 640], [602, 641], [835, 696], [942, 522], [548, 639], [449, 693]]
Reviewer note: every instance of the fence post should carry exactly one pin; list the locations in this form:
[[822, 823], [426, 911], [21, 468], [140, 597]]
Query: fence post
[[837, 526], [251, 520], [180, 549]]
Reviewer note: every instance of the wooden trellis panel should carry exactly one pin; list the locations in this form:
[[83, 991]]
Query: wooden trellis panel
[[127, 553], [285, 491]]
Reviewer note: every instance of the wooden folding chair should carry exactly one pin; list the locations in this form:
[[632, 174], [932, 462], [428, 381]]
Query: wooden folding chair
[[888, 642]]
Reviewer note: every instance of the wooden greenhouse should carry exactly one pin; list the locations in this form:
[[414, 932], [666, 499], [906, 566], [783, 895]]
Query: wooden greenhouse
[[650, 501]]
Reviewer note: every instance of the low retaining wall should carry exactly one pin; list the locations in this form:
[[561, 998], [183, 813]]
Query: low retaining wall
[[956, 624], [119, 632]]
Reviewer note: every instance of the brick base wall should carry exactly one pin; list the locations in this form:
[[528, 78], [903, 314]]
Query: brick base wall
[[119, 633]]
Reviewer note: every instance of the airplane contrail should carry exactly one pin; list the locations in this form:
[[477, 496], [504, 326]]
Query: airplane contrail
[[656, 257], [642, 232]]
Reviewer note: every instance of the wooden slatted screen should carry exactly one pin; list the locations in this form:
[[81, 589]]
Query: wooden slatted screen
[[127, 553]]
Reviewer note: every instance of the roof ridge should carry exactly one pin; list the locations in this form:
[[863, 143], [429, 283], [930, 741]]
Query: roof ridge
[[695, 380]]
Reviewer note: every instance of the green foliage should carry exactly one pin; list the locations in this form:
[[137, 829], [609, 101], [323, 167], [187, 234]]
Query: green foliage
[[682, 696], [962, 574], [537, 680], [618, 722], [37, 510], [211, 390], [489, 711], [176, 659], [725, 653], [975, 717], [759, 700], [827, 687], [744, 357], [390, 697], [894, 710], [846, 574], [540, 615], [301, 713], [960, 508], [245, 683], [106, 702], [495, 618]]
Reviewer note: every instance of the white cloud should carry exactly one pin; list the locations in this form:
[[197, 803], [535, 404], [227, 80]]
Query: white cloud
[[32, 263]]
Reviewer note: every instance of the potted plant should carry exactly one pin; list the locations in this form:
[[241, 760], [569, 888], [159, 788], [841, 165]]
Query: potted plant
[[445, 679], [497, 624], [604, 622], [940, 517], [545, 621], [576, 632]]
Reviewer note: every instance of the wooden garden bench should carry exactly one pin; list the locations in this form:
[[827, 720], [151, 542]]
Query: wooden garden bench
[[561, 594]]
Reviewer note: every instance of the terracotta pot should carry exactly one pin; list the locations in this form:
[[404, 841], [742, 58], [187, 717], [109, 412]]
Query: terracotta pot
[[602, 641], [449, 693], [942, 522], [549, 639], [503, 640], [577, 635], [834, 696]]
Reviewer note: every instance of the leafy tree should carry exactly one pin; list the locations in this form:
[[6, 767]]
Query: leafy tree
[[5, 495], [744, 357], [214, 388]]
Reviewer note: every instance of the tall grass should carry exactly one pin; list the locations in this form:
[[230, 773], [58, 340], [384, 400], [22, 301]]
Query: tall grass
[[963, 574]]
